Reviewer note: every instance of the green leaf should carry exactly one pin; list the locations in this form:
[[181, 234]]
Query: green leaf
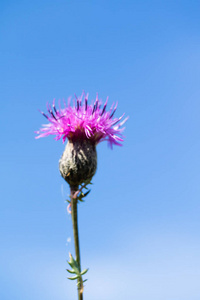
[[86, 193], [74, 265], [85, 280], [84, 272], [80, 199], [71, 271], [73, 278]]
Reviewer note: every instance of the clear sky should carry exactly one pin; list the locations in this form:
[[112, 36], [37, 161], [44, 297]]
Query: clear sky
[[139, 226]]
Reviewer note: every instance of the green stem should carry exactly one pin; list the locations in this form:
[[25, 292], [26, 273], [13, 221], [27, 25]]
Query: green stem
[[76, 237]]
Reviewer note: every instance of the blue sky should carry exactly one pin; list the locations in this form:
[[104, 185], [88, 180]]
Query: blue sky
[[139, 226]]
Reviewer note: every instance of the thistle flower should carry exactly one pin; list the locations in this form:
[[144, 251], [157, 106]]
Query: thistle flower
[[83, 122], [84, 126]]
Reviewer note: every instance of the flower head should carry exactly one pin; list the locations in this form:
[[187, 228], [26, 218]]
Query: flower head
[[83, 121]]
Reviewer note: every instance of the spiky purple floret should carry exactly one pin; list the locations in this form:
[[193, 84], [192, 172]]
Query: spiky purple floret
[[83, 121]]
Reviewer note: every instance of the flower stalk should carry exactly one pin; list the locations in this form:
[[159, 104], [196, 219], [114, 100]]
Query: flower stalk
[[74, 214]]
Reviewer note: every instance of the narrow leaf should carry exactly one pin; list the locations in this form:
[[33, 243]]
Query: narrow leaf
[[87, 193], [71, 271], [74, 265], [84, 272], [81, 200], [73, 278]]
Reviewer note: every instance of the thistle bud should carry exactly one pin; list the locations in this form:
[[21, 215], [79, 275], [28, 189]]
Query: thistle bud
[[78, 163]]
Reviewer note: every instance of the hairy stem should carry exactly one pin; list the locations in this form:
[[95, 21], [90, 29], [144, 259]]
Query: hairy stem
[[74, 214]]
